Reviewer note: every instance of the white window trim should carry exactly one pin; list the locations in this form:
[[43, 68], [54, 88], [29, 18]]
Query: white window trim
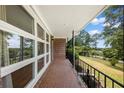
[[4, 26]]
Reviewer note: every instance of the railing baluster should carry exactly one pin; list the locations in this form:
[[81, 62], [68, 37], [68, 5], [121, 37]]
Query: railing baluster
[[91, 70], [98, 79], [94, 78], [112, 84], [104, 81], [83, 69]]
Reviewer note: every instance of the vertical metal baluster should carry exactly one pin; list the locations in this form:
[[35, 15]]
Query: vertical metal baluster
[[91, 71], [83, 69], [104, 81], [98, 79], [94, 78], [112, 84], [88, 68]]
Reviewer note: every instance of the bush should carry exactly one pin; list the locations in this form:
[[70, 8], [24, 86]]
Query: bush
[[113, 61], [110, 53], [69, 55], [78, 68]]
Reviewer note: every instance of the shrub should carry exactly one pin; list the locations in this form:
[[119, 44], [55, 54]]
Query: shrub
[[113, 61], [69, 55]]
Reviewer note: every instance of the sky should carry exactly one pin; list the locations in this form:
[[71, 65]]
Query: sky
[[97, 26]]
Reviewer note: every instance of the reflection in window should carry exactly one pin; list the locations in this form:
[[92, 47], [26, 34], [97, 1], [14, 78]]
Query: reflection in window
[[47, 37], [40, 48], [47, 47], [40, 32], [40, 64], [19, 17], [47, 58], [19, 78], [15, 48], [28, 48]]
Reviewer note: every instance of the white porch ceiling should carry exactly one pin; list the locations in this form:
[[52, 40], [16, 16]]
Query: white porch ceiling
[[62, 19]]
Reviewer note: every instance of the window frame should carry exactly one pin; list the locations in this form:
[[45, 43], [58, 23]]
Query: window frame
[[6, 27]]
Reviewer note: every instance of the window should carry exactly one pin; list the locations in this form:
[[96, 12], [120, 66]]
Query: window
[[28, 48], [19, 78], [40, 64], [17, 16], [47, 47], [40, 32], [47, 58], [47, 37], [40, 48], [15, 48]]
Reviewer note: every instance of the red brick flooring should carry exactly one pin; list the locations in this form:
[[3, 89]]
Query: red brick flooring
[[59, 75]]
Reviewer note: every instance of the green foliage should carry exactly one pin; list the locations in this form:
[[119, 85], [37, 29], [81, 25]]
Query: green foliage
[[69, 55], [83, 39], [110, 53], [113, 61], [94, 40], [95, 52], [113, 33]]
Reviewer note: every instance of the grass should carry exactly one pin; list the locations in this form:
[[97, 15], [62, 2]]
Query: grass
[[105, 67]]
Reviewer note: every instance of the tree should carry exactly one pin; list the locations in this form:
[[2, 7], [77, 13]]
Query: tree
[[94, 40], [113, 32], [83, 39]]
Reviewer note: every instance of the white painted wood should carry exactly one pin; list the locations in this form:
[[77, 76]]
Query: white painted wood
[[11, 68], [63, 19], [35, 50], [35, 80], [6, 27], [45, 50]]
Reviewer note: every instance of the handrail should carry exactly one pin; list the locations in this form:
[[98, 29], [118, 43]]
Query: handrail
[[105, 76]]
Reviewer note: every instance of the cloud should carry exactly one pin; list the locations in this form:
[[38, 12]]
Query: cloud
[[97, 21], [92, 32], [117, 25], [106, 24]]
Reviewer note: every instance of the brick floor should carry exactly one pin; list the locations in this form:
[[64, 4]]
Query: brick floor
[[59, 75]]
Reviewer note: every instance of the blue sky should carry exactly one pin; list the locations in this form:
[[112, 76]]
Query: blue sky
[[97, 26]]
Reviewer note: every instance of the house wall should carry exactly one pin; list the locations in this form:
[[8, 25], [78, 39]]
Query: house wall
[[59, 47]]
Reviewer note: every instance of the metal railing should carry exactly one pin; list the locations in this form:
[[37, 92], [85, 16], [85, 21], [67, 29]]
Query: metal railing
[[96, 79]]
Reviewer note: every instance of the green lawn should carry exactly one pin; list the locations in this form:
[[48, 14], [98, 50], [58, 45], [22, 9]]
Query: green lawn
[[105, 67]]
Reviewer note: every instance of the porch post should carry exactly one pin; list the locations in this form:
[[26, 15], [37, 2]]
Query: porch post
[[73, 48]]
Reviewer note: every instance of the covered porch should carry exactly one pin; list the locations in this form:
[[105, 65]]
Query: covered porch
[[47, 66]]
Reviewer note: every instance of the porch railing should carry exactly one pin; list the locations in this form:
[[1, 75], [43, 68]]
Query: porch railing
[[95, 78]]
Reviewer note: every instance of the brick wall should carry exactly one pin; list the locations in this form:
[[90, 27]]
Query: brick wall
[[59, 47]]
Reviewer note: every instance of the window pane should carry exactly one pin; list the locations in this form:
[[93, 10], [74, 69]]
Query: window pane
[[20, 78], [47, 47], [40, 32], [40, 64], [17, 16], [47, 58], [40, 48], [15, 48], [28, 48], [47, 37]]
